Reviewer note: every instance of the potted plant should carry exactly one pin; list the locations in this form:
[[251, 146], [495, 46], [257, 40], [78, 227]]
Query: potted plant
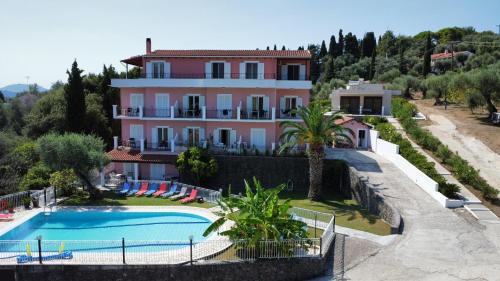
[[36, 203], [10, 207], [26, 202]]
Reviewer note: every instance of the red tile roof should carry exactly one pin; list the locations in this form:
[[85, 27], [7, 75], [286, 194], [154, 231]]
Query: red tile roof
[[126, 155], [233, 53], [302, 54], [347, 119], [444, 55]]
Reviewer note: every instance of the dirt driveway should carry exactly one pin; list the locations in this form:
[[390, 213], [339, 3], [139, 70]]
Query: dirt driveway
[[475, 140]]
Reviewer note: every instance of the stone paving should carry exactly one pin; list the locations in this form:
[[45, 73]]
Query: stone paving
[[436, 244]]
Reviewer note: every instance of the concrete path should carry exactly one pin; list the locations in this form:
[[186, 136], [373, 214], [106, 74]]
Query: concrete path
[[436, 244], [471, 149], [477, 209]]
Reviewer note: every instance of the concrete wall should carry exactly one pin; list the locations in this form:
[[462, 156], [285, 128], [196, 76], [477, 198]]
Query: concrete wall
[[369, 197], [391, 152], [276, 270], [272, 171]]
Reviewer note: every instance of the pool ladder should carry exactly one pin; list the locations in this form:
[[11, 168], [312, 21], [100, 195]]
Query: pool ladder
[[49, 212]]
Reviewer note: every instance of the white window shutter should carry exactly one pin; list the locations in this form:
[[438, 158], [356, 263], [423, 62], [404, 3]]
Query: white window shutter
[[227, 70], [299, 102], [266, 103], [170, 134], [202, 134], [185, 135], [284, 72], [216, 136], [149, 70], [249, 104], [208, 70], [302, 72], [154, 137], [202, 101], [232, 137], [243, 70], [260, 70], [185, 101], [166, 69]]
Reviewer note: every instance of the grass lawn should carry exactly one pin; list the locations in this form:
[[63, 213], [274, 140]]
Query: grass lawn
[[347, 211], [113, 199]]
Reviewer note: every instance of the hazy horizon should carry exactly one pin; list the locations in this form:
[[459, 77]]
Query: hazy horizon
[[43, 38]]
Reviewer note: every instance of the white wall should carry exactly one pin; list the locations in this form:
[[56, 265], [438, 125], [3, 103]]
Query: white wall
[[391, 152]]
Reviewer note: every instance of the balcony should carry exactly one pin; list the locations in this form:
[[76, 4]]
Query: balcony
[[214, 80], [373, 111], [175, 113]]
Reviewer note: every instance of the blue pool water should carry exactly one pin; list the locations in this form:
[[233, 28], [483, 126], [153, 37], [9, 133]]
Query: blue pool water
[[61, 226]]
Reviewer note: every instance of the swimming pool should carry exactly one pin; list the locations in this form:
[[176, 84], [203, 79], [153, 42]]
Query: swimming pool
[[175, 227]]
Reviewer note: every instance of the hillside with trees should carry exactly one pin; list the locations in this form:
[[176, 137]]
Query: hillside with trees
[[404, 62]]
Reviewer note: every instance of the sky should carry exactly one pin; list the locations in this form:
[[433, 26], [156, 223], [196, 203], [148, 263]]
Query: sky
[[40, 39]]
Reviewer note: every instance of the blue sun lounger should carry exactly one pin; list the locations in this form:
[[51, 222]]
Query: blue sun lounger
[[137, 185], [125, 189], [171, 192], [66, 255], [152, 189]]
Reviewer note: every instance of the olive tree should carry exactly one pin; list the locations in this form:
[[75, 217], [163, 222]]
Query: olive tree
[[81, 153]]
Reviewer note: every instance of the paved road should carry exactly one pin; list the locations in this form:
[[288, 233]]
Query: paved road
[[437, 243]]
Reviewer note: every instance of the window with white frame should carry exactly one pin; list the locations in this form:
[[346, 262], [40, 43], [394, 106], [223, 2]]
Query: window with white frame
[[218, 70], [251, 70], [158, 70]]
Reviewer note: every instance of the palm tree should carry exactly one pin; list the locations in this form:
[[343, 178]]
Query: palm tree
[[317, 130]]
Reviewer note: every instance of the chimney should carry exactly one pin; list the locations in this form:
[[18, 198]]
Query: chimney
[[148, 46]]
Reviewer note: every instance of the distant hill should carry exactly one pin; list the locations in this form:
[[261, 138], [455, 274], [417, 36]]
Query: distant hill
[[12, 90]]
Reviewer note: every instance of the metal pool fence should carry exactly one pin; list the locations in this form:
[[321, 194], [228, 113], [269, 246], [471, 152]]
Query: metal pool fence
[[44, 197], [216, 248]]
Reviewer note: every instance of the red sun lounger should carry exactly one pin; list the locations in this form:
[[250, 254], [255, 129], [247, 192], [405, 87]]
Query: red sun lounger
[[144, 189], [191, 197], [163, 189]]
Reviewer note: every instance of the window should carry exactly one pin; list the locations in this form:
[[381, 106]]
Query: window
[[218, 70], [251, 70], [193, 135], [293, 72], [257, 107], [224, 136], [193, 109], [162, 135], [158, 70], [290, 106]]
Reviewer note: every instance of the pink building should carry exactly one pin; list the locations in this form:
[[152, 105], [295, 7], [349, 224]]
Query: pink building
[[226, 100]]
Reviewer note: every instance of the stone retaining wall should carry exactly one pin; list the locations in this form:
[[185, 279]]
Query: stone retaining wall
[[276, 270], [366, 194]]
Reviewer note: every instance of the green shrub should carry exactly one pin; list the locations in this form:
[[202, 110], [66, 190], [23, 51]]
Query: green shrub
[[464, 172], [65, 181], [37, 177], [374, 120], [444, 153], [449, 190]]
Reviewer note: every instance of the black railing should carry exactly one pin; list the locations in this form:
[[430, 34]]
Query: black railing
[[255, 114], [158, 146], [156, 112], [221, 113], [235, 75], [288, 114], [131, 143], [188, 113], [128, 111]]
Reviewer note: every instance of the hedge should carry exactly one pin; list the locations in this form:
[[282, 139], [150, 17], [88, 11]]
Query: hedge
[[460, 168], [390, 134]]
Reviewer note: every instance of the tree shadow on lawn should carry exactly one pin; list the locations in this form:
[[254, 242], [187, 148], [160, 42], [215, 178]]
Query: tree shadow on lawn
[[332, 203]]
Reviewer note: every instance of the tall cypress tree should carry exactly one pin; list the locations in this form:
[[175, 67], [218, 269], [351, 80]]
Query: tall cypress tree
[[110, 96], [340, 45], [283, 48], [75, 100], [371, 73], [369, 44], [351, 45], [323, 51], [330, 69], [427, 55], [331, 46], [275, 47], [402, 64], [267, 48]]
